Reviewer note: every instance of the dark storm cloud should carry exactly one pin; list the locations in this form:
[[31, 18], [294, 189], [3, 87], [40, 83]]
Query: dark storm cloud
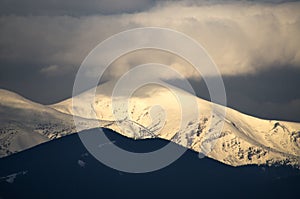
[[269, 94], [93, 7], [72, 7], [28, 82], [256, 46], [241, 37]]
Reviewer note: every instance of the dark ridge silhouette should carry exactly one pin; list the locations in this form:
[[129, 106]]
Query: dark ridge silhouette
[[63, 169]]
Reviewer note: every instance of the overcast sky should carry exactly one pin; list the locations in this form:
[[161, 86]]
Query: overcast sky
[[256, 45]]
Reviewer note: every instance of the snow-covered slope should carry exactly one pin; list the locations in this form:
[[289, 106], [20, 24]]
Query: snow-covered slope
[[24, 124], [243, 139]]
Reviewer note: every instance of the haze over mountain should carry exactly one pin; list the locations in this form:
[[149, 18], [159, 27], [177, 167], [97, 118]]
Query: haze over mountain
[[243, 139]]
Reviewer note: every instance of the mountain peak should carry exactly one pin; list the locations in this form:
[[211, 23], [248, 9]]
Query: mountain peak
[[243, 139], [9, 96]]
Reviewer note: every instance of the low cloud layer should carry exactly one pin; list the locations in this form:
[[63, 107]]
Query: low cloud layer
[[241, 37]]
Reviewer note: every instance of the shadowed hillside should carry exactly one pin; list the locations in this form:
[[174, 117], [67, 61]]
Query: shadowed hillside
[[63, 168]]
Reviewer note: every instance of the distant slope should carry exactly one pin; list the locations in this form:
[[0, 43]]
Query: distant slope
[[63, 169], [243, 140]]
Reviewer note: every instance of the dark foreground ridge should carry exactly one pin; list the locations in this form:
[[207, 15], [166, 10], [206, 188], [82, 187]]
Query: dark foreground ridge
[[64, 169]]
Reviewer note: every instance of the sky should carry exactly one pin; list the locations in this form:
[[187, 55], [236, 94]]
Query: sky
[[255, 44]]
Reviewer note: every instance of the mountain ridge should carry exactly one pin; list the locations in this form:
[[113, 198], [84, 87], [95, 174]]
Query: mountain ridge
[[243, 140], [69, 165]]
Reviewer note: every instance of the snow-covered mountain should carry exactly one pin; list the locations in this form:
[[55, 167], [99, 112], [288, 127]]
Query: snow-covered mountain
[[24, 124], [243, 139]]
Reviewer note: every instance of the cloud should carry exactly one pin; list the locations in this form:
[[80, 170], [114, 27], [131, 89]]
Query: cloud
[[50, 70], [270, 94], [253, 43], [241, 37], [71, 7], [271, 110], [79, 8]]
